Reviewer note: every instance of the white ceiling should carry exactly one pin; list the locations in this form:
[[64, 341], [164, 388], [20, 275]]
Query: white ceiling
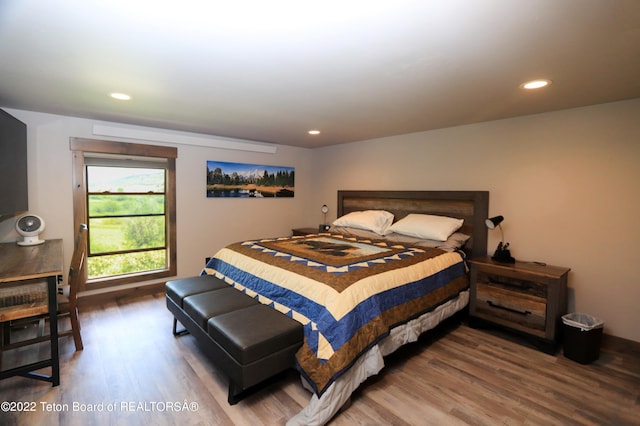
[[355, 69]]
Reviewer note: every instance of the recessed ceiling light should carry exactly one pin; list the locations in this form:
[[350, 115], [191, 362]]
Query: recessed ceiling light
[[120, 96], [535, 84], [314, 132]]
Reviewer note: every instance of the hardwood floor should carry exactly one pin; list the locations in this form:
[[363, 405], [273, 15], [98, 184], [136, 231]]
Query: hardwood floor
[[132, 369]]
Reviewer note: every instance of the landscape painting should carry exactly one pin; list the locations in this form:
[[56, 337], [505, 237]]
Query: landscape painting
[[240, 180]]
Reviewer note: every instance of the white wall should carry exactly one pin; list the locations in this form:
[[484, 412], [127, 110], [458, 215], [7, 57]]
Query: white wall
[[567, 183], [204, 225]]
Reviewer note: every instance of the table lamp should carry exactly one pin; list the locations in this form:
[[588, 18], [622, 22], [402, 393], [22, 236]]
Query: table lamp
[[502, 253], [324, 227]]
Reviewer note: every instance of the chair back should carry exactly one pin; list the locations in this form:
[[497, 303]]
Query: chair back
[[77, 260]]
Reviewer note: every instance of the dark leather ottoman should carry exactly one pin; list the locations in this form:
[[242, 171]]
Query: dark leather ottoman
[[179, 289], [249, 341]]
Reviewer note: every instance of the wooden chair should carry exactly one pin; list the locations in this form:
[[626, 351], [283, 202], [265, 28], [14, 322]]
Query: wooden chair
[[67, 303]]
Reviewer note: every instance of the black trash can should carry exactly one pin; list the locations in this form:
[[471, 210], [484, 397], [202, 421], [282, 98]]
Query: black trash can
[[582, 337]]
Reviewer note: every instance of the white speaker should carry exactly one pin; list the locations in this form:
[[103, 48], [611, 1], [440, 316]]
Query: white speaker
[[30, 227]]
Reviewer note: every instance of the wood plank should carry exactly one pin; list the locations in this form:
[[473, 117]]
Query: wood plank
[[29, 262], [455, 376]]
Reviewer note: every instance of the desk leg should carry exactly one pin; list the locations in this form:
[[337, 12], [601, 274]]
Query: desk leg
[[52, 283]]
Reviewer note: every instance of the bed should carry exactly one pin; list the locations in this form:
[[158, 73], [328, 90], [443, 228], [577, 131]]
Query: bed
[[361, 292]]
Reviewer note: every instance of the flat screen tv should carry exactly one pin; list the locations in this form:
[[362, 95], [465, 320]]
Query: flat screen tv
[[13, 166]]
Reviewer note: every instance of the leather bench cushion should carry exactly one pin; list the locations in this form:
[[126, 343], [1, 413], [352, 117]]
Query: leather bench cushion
[[254, 332], [177, 290], [200, 307]]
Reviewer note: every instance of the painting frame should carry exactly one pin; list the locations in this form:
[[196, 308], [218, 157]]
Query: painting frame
[[248, 180]]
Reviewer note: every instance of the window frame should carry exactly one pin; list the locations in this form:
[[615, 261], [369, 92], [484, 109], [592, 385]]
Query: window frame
[[82, 146]]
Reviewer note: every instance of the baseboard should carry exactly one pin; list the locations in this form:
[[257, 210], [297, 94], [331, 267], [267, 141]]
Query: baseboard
[[112, 296], [620, 344]]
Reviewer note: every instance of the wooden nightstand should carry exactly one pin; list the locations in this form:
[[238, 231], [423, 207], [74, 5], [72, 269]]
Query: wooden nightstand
[[525, 297], [304, 231]]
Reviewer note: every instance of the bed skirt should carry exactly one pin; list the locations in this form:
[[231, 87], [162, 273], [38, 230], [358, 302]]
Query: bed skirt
[[320, 410]]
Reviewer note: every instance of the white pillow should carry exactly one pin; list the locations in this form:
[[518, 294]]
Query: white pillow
[[427, 226], [377, 221]]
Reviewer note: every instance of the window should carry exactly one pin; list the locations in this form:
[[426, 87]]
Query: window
[[125, 193]]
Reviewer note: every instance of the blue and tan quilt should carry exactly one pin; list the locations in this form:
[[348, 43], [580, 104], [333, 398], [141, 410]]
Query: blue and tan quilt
[[347, 292]]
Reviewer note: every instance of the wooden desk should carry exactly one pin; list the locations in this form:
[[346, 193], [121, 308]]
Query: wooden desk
[[19, 263]]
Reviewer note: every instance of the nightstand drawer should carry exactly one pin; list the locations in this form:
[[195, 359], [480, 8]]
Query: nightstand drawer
[[515, 309], [515, 284], [303, 231]]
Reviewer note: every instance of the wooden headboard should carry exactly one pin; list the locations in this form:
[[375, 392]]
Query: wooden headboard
[[472, 206]]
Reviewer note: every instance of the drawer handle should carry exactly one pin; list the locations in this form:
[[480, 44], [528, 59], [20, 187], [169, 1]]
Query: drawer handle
[[493, 305]]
